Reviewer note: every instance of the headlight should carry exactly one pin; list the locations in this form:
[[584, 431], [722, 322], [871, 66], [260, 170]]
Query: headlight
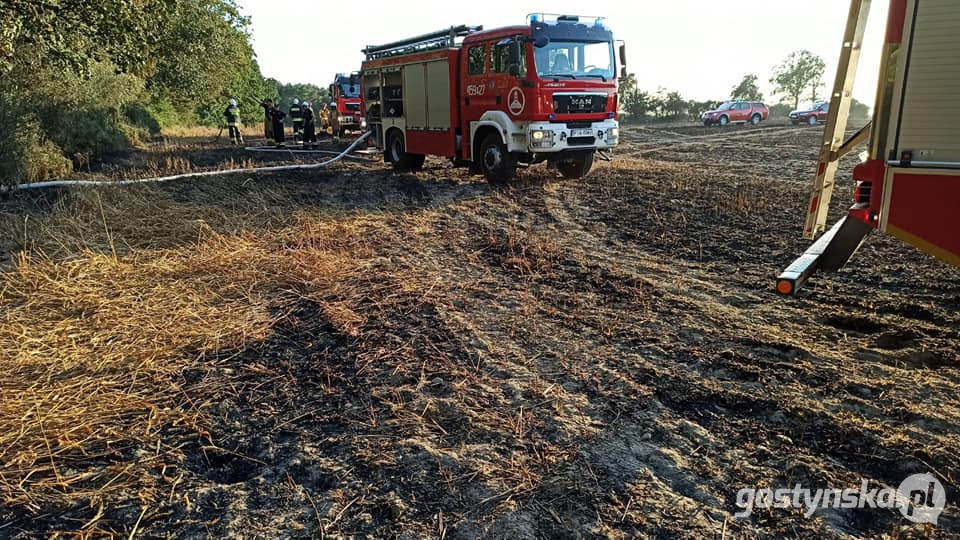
[[542, 138], [613, 134]]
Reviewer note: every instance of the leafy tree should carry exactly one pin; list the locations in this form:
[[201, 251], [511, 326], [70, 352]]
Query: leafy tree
[[673, 105], [747, 90], [636, 102], [69, 34], [801, 70], [696, 108]]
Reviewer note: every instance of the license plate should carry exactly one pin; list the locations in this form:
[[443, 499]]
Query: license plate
[[581, 132]]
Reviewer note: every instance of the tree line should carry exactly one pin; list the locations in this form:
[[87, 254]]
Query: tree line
[[798, 77], [80, 79]]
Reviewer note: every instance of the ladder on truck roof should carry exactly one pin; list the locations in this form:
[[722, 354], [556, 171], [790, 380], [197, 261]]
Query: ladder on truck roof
[[835, 247], [435, 40]]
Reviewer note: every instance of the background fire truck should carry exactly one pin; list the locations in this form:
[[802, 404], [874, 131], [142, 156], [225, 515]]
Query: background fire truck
[[345, 107], [494, 99], [908, 185]]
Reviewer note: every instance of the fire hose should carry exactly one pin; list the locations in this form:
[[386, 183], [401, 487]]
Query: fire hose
[[66, 183]]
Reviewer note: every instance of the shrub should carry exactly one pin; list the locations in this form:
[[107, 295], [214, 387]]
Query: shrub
[[26, 155]]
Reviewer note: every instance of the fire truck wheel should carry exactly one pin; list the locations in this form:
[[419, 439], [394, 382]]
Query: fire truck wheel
[[577, 167], [497, 164], [812, 120], [397, 154]]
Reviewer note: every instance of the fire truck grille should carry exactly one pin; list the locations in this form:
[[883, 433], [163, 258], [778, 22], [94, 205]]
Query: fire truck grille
[[353, 107], [579, 103], [581, 141]]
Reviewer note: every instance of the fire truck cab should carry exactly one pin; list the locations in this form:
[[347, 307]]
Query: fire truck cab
[[345, 109], [544, 92]]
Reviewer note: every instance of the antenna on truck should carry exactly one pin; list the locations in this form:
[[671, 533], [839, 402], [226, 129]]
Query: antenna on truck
[[433, 40]]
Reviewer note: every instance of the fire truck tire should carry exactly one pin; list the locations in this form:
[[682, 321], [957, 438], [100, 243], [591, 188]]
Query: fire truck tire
[[497, 164], [755, 119], [577, 167], [812, 120], [397, 154], [723, 121]]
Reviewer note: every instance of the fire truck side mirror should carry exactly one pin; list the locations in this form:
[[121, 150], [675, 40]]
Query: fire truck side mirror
[[541, 41], [331, 89], [623, 54]]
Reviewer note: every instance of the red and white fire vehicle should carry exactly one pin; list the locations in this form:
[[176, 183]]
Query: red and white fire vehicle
[[493, 99], [345, 112], [908, 185]]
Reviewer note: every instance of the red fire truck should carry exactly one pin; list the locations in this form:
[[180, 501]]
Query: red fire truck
[[493, 99], [345, 113], [908, 185]]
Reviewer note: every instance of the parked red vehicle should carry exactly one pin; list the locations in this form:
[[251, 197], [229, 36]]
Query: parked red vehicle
[[736, 112], [518, 95], [345, 94], [817, 112]]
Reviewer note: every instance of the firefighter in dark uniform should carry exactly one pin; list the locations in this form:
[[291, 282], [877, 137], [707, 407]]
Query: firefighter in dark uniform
[[232, 115], [267, 105], [309, 126], [276, 117], [296, 115]]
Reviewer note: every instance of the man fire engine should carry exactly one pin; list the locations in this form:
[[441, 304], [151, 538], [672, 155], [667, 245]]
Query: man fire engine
[[909, 183], [345, 111], [494, 99]]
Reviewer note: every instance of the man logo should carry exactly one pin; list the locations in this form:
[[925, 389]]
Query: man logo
[[515, 101], [921, 498]]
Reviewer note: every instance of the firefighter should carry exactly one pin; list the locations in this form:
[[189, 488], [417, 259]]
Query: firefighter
[[232, 115], [296, 115], [309, 126], [267, 105], [276, 117], [324, 117]]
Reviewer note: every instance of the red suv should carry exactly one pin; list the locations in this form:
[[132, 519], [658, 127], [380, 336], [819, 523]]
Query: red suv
[[737, 112], [812, 115]]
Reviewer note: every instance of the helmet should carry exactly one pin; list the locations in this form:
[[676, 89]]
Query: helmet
[[306, 103], [296, 101], [233, 102]]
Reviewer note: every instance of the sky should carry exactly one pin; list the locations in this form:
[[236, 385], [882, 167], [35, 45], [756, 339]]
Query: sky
[[700, 47]]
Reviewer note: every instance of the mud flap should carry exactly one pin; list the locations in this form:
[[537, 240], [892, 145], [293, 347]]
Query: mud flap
[[829, 253]]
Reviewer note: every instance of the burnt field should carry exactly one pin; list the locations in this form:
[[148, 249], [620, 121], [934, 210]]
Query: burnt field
[[355, 352]]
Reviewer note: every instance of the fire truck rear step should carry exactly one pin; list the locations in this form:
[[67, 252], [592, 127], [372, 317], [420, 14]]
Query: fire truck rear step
[[829, 253]]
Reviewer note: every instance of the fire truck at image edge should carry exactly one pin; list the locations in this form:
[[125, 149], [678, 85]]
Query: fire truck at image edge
[[496, 99]]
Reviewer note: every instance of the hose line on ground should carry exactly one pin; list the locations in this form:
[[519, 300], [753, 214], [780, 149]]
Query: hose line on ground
[[66, 183]]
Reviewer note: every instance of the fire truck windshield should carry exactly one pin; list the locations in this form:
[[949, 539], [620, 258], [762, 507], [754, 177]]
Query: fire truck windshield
[[347, 91], [575, 59]]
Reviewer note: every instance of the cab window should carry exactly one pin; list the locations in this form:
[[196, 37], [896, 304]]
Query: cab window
[[500, 58], [476, 59]]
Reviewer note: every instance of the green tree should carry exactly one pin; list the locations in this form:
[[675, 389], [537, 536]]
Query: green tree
[[747, 90], [801, 70], [635, 102], [69, 34]]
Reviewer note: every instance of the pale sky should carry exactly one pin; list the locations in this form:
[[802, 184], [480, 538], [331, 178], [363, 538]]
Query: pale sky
[[700, 47]]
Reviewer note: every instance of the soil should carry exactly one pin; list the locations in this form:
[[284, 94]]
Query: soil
[[603, 357]]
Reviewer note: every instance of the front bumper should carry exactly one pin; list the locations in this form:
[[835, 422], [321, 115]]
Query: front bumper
[[558, 137]]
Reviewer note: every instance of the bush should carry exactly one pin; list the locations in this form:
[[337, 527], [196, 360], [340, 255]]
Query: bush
[[25, 154]]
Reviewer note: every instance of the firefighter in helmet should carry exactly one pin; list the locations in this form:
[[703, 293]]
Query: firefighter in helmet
[[324, 117], [296, 115], [232, 115]]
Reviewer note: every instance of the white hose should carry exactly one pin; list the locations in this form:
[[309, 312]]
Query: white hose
[[65, 183]]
